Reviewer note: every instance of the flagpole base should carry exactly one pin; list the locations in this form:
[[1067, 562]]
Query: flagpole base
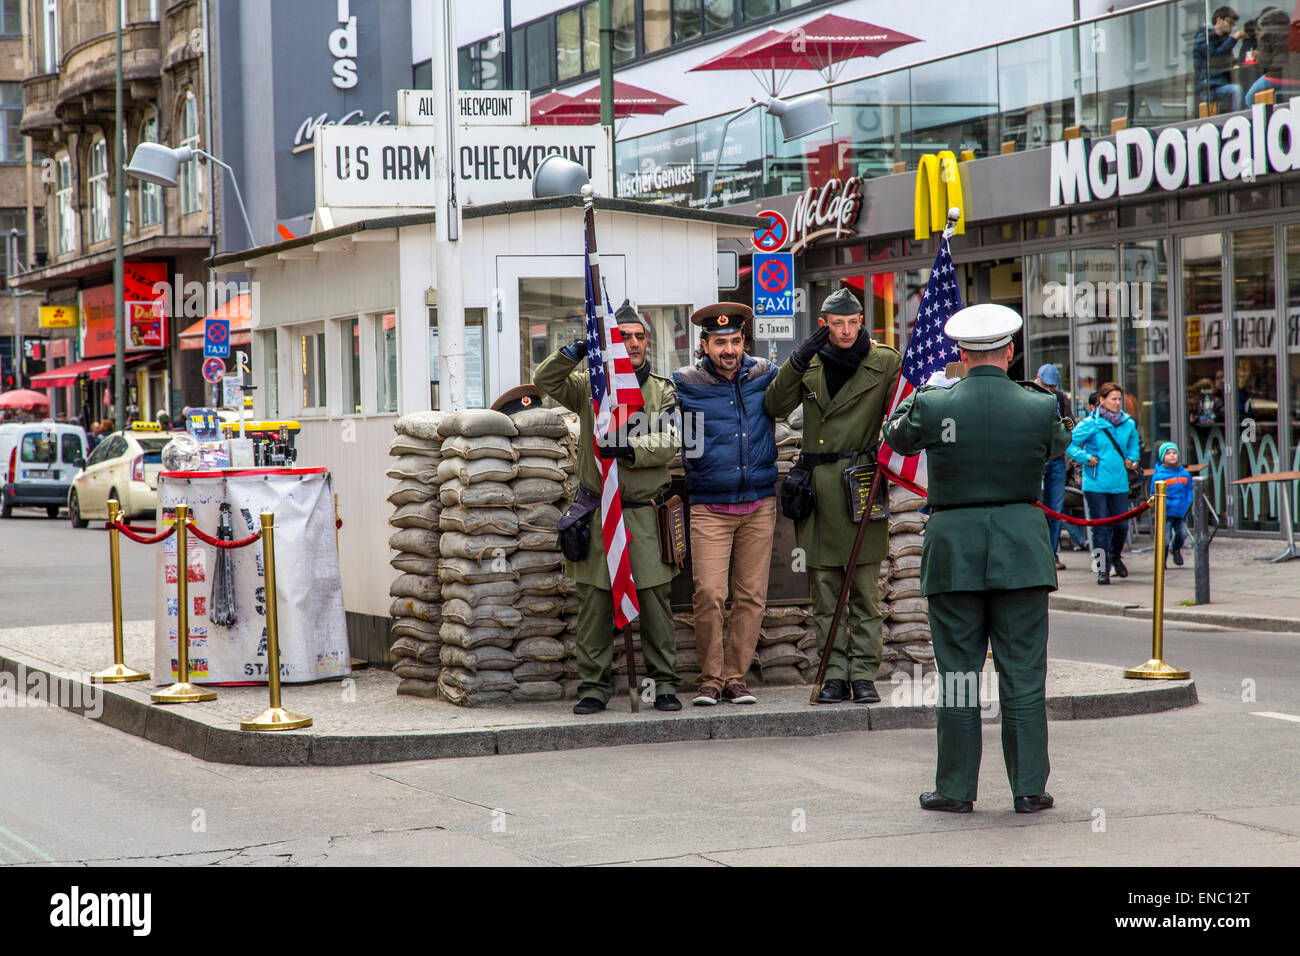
[[117, 674], [1155, 669], [276, 718], [182, 692]]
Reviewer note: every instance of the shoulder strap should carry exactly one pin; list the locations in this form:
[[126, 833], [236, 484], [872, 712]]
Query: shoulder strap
[[1107, 433]]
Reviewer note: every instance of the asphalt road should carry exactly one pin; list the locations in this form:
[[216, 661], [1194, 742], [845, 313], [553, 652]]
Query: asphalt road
[[1215, 784]]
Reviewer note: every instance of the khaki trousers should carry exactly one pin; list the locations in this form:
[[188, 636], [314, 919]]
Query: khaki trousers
[[859, 641], [596, 640], [743, 543]]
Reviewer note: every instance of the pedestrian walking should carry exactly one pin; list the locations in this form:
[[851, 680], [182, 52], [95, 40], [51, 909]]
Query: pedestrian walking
[[732, 488], [1049, 377], [1178, 498], [986, 567], [1106, 444], [844, 381], [643, 453]]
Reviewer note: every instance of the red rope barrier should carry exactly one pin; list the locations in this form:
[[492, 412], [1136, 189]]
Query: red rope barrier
[[338, 523], [135, 533], [1087, 522], [217, 542]]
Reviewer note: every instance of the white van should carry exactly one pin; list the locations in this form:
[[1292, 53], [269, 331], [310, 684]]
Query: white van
[[37, 463]]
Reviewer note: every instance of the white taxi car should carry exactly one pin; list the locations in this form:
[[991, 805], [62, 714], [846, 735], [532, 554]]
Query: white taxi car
[[124, 466]]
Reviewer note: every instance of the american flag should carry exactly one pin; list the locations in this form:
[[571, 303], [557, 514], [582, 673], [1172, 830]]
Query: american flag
[[611, 414], [928, 351]]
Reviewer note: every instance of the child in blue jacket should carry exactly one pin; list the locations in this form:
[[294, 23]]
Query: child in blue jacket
[[1178, 497]]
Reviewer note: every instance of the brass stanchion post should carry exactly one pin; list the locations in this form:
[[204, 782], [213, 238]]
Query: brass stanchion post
[[182, 692], [274, 717], [1156, 668], [119, 672]]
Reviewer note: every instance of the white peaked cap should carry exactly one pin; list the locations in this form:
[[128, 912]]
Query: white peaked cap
[[980, 328]]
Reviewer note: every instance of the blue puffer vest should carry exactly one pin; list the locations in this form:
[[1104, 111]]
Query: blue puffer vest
[[732, 437]]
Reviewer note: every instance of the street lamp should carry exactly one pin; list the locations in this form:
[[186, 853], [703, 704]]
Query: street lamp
[[159, 164], [557, 176], [800, 117]]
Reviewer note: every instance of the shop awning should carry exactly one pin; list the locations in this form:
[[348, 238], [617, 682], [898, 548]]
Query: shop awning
[[94, 368], [238, 310]]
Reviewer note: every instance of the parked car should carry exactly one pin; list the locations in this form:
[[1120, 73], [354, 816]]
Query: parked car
[[125, 466], [37, 463]]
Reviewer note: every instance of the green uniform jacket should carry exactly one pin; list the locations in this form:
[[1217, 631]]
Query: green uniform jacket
[[849, 422], [640, 479], [986, 440]]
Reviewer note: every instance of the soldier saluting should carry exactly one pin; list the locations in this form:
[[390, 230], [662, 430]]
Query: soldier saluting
[[987, 566], [844, 381]]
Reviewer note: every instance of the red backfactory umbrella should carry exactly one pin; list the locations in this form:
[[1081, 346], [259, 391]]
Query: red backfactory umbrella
[[629, 100]]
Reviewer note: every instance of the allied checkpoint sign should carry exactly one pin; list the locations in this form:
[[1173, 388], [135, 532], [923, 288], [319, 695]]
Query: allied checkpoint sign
[[773, 277]]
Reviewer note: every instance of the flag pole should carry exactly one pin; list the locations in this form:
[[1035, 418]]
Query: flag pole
[[589, 215]]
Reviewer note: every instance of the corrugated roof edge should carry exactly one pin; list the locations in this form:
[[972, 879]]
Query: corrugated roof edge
[[491, 209]]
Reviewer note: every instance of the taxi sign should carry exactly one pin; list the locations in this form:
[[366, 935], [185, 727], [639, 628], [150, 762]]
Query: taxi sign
[[773, 277], [146, 427]]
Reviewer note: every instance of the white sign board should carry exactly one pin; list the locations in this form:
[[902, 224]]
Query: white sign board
[[497, 163], [773, 328], [375, 166], [232, 391], [473, 108], [728, 271]]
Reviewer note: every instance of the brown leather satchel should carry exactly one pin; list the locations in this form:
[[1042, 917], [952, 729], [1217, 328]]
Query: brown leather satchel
[[671, 519]]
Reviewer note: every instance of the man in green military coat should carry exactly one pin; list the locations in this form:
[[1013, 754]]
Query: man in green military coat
[[844, 381], [987, 566], [643, 453]]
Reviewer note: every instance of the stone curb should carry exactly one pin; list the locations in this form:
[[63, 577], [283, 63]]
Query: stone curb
[[171, 727], [1241, 622]]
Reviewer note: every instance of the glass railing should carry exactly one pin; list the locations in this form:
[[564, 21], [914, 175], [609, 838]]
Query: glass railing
[[1137, 66]]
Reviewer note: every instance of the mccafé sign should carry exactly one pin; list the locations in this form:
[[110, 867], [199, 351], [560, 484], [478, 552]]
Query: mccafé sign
[[1242, 148], [938, 189], [829, 211]]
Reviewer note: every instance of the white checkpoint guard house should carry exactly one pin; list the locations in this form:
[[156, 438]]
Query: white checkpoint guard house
[[344, 334]]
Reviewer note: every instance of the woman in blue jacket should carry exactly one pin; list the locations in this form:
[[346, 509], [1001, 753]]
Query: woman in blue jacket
[[1106, 443]]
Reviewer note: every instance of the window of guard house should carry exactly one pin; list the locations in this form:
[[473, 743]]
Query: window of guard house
[[350, 346], [311, 348], [475, 359], [550, 316], [672, 337], [386, 362]]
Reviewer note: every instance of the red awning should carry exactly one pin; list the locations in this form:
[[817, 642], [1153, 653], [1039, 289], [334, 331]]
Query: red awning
[[68, 374], [238, 310], [628, 100]]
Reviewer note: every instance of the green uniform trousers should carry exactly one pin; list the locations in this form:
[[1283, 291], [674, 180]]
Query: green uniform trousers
[[857, 655], [596, 640], [962, 624]]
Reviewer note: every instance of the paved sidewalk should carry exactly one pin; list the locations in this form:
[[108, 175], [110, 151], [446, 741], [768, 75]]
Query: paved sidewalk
[[362, 720], [1244, 593]]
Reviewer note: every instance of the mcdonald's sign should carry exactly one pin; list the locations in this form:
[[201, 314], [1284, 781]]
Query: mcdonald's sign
[[938, 188]]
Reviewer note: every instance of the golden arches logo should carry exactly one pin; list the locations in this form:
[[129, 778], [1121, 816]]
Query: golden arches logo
[[938, 188]]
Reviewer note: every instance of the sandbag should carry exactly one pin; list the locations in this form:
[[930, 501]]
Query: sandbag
[[407, 445], [910, 609], [919, 652], [530, 491], [460, 612], [494, 592], [477, 421], [410, 607], [410, 687], [777, 655], [536, 446], [415, 467], [539, 517], [784, 614], [415, 541], [478, 520], [424, 425], [538, 691], [906, 522], [471, 681], [486, 548], [905, 566], [405, 647], [474, 637], [544, 422], [795, 418], [483, 494], [534, 466], [782, 675], [472, 572], [531, 671], [907, 630], [539, 541], [471, 472], [415, 563], [483, 657], [539, 649], [416, 586], [409, 490], [480, 447], [904, 544], [542, 582], [417, 514], [901, 588], [548, 605], [415, 629], [417, 670], [529, 562], [781, 634], [539, 627]]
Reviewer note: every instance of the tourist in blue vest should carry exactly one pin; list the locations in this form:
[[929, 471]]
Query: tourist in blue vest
[[729, 452]]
